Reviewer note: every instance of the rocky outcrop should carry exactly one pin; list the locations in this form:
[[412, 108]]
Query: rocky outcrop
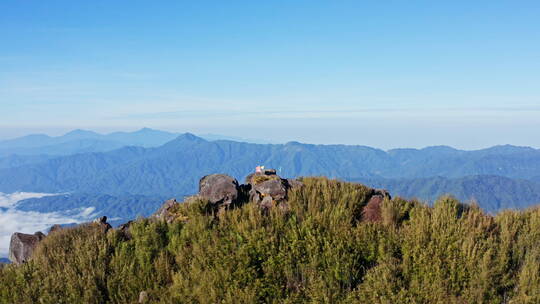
[[102, 222], [22, 246], [124, 230], [219, 189], [265, 188], [275, 188], [268, 189], [267, 202], [372, 211], [165, 212]]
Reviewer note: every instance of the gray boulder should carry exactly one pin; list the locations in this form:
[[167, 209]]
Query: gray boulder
[[22, 246], [267, 202], [267, 188], [255, 196], [219, 189], [275, 188], [165, 212]]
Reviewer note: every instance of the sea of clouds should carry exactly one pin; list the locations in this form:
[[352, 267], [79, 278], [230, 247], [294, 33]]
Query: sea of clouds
[[13, 220]]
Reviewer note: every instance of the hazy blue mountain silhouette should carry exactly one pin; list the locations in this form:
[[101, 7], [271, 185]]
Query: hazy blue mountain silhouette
[[24, 149], [82, 141], [173, 169]]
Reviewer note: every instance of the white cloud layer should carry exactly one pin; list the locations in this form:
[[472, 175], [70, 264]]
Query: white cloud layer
[[10, 200], [13, 220]]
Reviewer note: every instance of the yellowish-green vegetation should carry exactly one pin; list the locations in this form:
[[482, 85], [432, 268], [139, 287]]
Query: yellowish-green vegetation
[[258, 179], [320, 250]]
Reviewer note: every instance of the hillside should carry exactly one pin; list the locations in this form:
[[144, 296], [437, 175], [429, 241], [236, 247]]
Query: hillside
[[14, 160], [327, 245]]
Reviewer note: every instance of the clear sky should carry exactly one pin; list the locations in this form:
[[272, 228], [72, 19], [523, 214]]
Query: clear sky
[[384, 74]]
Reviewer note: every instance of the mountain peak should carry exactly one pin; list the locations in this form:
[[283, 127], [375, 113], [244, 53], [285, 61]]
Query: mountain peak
[[182, 141], [507, 149], [81, 133], [190, 136], [439, 148], [145, 130]]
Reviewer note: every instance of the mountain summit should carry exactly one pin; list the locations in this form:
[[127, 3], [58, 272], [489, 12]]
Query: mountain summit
[[322, 241]]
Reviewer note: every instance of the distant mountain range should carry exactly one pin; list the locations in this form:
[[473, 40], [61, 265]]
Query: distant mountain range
[[497, 177], [82, 141]]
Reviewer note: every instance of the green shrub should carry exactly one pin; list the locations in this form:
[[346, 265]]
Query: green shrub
[[317, 251]]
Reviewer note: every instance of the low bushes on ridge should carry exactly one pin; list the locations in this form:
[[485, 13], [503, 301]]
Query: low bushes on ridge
[[319, 250]]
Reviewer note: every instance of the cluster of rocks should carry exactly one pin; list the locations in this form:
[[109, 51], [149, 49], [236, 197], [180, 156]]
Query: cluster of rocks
[[264, 188], [222, 191]]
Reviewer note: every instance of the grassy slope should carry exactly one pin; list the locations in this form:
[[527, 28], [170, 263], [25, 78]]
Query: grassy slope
[[319, 251]]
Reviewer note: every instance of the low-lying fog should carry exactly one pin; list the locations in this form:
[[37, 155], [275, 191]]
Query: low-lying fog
[[13, 220]]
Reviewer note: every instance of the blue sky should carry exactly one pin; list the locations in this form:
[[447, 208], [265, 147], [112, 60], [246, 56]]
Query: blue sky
[[392, 74]]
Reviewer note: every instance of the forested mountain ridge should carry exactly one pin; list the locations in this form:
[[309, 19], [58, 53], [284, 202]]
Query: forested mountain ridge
[[175, 166]]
